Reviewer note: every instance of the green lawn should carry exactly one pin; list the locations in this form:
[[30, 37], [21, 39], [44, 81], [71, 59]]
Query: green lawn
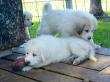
[[101, 36], [33, 29]]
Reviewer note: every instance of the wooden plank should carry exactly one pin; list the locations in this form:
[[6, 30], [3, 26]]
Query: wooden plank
[[13, 56], [39, 74], [5, 53], [10, 77], [78, 72], [6, 65], [103, 51], [102, 62], [106, 71], [19, 50], [47, 76]]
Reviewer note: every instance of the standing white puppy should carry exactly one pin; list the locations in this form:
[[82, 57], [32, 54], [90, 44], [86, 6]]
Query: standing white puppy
[[68, 23], [48, 49]]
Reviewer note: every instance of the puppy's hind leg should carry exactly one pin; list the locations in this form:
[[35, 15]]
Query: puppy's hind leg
[[83, 57], [79, 53], [43, 29], [78, 60]]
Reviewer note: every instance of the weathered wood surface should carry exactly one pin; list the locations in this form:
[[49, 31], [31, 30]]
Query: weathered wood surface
[[103, 51], [102, 62], [39, 74], [60, 72], [5, 53], [6, 76], [11, 24]]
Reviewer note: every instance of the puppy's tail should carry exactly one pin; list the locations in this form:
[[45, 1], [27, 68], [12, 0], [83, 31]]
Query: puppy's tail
[[47, 8], [92, 55]]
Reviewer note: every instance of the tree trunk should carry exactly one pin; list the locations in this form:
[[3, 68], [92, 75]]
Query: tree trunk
[[96, 8], [69, 4], [11, 24]]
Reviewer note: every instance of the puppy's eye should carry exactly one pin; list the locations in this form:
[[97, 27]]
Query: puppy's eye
[[28, 19], [27, 53], [87, 30], [34, 55]]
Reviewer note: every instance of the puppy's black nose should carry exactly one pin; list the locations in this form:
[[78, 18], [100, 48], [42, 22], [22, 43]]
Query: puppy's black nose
[[89, 38], [32, 23], [27, 63]]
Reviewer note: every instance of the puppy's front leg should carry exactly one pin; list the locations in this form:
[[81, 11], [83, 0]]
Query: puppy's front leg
[[27, 33], [27, 68], [95, 45]]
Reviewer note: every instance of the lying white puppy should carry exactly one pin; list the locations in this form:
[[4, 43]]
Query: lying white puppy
[[48, 49], [68, 23]]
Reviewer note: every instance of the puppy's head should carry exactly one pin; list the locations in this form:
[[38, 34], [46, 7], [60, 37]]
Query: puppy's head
[[87, 32], [88, 29], [27, 18], [33, 54]]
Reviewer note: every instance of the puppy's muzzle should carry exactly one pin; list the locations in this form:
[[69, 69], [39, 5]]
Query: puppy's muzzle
[[32, 23], [27, 62], [89, 38]]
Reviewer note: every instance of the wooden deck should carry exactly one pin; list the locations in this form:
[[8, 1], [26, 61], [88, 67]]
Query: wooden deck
[[59, 72]]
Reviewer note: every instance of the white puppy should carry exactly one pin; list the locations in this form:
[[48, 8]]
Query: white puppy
[[68, 23], [48, 49], [27, 22]]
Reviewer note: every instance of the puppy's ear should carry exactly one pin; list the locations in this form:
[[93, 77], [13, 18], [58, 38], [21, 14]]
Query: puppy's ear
[[80, 30], [42, 52]]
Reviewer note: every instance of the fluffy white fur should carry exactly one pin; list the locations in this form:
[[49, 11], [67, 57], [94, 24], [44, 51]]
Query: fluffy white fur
[[27, 22], [48, 49], [68, 23]]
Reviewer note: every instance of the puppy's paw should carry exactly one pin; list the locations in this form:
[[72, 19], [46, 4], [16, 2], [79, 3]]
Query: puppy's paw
[[26, 69], [97, 46], [94, 59], [19, 57], [76, 61], [22, 46]]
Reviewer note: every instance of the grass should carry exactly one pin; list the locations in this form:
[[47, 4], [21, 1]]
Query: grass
[[33, 29], [101, 36]]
